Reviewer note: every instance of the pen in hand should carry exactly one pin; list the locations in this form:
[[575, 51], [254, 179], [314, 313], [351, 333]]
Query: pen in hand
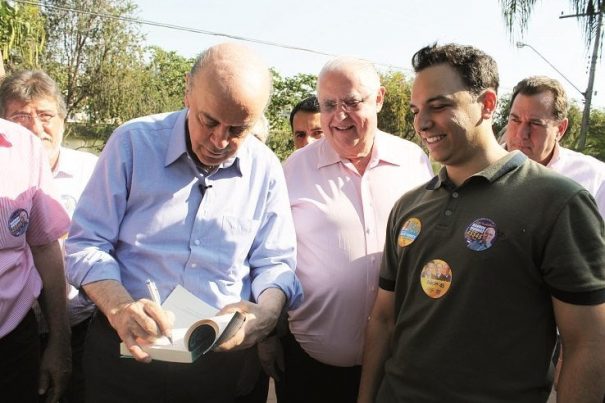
[[155, 297]]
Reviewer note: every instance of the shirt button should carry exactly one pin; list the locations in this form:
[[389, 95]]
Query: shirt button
[[455, 195], [193, 265], [197, 242], [448, 212]]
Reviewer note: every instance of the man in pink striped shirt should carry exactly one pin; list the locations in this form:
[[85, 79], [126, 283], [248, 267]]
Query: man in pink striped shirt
[[32, 220]]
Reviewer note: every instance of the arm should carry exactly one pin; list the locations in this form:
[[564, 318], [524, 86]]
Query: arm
[[582, 329], [55, 367], [377, 345], [134, 321]]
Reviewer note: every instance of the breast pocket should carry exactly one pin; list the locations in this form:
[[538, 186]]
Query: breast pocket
[[238, 236]]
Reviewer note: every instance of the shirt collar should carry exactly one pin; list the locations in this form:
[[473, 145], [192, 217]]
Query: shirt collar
[[177, 146], [556, 155], [63, 167], [492, 173], [380, 152]]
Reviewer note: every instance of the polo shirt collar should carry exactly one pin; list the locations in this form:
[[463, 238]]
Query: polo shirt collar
[[492, 173]]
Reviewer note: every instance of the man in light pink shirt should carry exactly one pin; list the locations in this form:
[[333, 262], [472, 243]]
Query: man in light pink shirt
[[31, 222], [536, 124], [342, 188]]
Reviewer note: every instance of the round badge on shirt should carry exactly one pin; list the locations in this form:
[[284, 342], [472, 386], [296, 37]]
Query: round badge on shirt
[[409, 232], [436, 278], [480, 234], [18, 222]]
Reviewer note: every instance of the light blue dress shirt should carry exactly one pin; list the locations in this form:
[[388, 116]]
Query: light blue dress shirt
[[142, 216]]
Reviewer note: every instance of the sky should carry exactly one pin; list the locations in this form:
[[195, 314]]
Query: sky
[[386, 32]]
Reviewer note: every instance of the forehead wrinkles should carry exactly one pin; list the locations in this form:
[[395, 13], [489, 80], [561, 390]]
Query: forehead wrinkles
[[343, 84]]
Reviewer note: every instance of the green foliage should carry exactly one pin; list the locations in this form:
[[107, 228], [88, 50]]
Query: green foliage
[[595, 141], [501, 115], [280, 141], [96, 60], [165, 84], [22, 35], [395, 116], [287, 92]]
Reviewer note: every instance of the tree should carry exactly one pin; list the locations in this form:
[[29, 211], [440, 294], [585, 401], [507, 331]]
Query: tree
[[517, 13], [22, 36], [94, 56], [395, 116], [287, 92], [165, 86], [516, 16]]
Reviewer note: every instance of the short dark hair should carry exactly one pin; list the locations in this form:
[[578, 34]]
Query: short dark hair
[[30, 85], [310, 104], [539, 84], [477, 69]]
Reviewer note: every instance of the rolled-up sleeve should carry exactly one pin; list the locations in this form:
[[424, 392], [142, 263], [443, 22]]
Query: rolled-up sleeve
[[273, 254]]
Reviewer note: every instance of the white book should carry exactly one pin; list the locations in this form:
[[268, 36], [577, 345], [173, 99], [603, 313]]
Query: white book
[[197, 329]]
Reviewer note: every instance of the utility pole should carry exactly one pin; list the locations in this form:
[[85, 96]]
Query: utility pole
[[591, 75]]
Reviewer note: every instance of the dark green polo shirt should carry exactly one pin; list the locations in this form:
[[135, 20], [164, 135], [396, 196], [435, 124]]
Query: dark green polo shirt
[[473, 269]]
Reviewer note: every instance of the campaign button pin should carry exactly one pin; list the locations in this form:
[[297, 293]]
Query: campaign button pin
[[436, 278], [17, 222], [409, 232]]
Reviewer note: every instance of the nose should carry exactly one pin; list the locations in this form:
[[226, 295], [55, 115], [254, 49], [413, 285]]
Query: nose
[[340, 114], [422, 122], [220, 138], [36, 126], [523, 131]]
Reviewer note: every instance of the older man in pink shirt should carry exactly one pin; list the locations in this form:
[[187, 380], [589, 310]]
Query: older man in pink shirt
[[342, 188], [31, 222]]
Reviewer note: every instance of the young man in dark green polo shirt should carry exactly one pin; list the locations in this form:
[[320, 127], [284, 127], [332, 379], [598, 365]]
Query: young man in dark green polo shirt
[[458, 322]]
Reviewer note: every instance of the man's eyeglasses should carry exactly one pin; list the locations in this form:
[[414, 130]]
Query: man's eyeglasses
[[348, 105], [26, 119]]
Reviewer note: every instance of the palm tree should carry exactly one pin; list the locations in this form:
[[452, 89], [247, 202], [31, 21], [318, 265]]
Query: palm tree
[[516, 16]]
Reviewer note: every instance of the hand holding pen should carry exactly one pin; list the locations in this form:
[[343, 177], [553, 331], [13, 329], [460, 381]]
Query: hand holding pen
[[155, 297]]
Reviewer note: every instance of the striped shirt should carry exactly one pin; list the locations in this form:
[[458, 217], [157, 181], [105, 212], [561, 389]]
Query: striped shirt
[[30, 214]]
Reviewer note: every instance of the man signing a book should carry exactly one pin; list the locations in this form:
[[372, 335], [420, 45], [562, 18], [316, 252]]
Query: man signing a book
[[185, 198]]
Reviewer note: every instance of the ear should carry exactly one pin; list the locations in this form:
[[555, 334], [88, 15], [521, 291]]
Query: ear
[[562, 127], [380, 98], [489, 101]]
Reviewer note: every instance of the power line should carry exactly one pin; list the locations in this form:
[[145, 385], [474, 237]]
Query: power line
[[194, 30]]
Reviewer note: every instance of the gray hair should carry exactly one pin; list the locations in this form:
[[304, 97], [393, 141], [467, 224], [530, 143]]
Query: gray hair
[[30, 85]]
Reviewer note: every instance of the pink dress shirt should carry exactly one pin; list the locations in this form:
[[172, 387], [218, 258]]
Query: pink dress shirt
[[30, 214], [340, 219], [584, 169]]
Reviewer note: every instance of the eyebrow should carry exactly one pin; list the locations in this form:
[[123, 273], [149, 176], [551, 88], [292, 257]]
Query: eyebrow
[[433, 99]]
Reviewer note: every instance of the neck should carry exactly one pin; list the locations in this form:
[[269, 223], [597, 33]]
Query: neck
[[361, 162], [483, 156]]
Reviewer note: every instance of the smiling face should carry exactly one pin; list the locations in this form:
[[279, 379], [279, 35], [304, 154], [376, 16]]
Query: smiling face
[[532, 127], [41, 116], [307, 128], [349, 104], [446, 115]]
